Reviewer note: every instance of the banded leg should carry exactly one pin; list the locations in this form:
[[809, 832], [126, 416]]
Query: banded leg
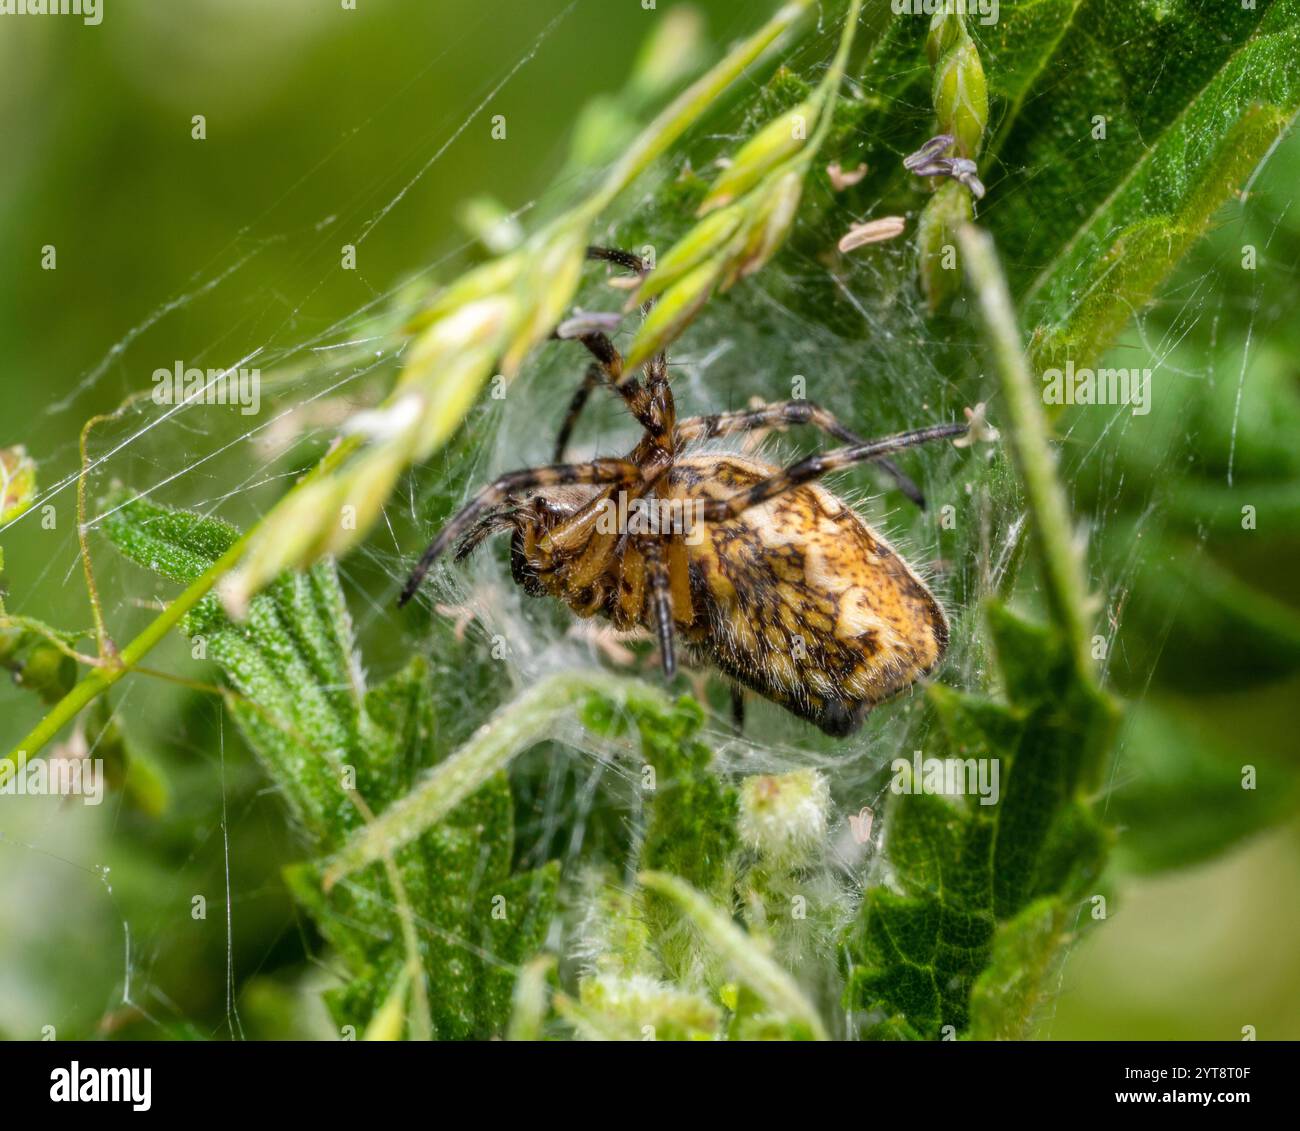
[[601, 471], [628, 259], [657, 368], [814, 467], [589, 381], [661, 596], [738, 708], [608, 363], [663, 409], [790, 412]]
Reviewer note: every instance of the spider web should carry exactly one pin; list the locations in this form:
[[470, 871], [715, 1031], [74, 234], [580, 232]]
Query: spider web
[[61, 859]]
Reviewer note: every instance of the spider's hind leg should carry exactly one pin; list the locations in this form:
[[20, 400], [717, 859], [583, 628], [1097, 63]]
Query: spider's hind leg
[[814, 467], [790, 412]]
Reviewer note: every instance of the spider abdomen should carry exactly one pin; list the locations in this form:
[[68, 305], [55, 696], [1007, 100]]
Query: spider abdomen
[[795, 598], [799, 600]]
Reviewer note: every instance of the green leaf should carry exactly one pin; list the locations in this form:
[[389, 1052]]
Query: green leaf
[[522, 723], [691, 830], [321, 734], [965, 869], [1110, 217], [1186, 796], [1024, 956]]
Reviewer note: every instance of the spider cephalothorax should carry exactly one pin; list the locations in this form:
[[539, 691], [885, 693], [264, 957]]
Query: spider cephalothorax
[[759, 570]]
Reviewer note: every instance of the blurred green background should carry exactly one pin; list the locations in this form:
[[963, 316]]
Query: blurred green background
[[318, 119]]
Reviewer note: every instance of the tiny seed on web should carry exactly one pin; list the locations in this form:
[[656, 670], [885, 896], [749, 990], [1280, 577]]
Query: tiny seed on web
[[874, 231], [840, 180]]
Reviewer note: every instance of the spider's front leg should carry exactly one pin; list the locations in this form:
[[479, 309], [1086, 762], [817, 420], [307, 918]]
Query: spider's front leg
[[608, 364], [598, 471]]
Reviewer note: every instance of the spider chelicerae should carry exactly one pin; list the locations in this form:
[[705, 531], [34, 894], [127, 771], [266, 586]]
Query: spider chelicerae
[[759, 570]]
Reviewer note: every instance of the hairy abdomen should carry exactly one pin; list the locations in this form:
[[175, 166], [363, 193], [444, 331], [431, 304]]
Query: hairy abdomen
[[801, 601]]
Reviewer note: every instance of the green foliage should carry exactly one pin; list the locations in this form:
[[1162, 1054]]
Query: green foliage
[[691, 831], [1105, 219], [1191, 795], [332, 746], [1205, 573], [412, 873], [971, 878], [1195, 508], [1118, 212], [660, 958]]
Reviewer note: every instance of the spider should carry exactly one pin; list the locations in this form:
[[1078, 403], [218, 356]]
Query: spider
[[776, 582]]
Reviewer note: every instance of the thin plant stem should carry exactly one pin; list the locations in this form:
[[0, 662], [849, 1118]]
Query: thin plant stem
[[831, 80], [682, 112], [52, 637], [100, 679], [1027, 435], [519, 725], [103, 641]]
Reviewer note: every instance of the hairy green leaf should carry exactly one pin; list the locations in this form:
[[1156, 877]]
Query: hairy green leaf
[[337, 750]]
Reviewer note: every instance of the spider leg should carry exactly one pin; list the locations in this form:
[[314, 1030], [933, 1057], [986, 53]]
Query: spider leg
[[814, 467], [608, 363], [597, 471], [628, 259], [790, 412], [484, 527], [576, 405], [661, 595], [659, 395], [663, 408], [738, 708]]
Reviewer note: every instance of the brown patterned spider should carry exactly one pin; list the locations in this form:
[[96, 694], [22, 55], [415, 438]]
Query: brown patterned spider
[[776, 582]]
